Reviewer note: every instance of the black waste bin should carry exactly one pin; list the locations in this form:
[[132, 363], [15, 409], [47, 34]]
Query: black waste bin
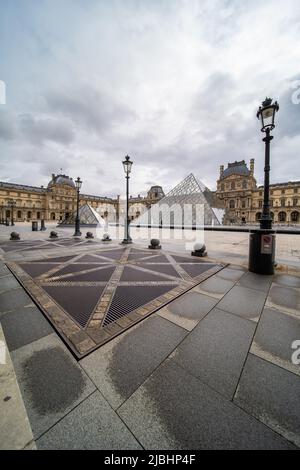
[[34, 226], [262, 251]]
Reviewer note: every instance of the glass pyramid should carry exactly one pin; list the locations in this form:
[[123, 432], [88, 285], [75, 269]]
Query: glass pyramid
[[87, 215], [189, 204]]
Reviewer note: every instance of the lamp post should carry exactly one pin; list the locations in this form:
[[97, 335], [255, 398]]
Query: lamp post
[[78, 184], [127, 164], [12, 204], [262, 241]]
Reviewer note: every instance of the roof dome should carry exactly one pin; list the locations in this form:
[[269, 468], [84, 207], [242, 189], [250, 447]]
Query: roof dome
[[236, 168], [61, 179]]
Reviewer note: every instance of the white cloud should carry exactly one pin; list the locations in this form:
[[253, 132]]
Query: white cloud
[[174, 83]]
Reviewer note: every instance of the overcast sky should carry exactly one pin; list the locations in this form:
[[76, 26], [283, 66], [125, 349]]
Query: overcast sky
[[175, 84]]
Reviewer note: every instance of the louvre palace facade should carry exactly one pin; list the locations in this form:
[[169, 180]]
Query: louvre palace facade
[[57, 201], [242, 199], [237, 192]]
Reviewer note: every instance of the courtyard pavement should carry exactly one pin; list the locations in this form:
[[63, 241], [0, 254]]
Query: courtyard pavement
[[211, 370]]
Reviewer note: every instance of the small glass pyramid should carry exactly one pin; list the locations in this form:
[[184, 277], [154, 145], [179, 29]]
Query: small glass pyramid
[[87, 215], [189, 204]]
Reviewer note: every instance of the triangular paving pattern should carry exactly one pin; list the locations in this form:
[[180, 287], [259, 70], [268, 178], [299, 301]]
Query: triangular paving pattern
[[72, 268], [161, 268], [90, 292], [99, 275], [130, 274], [36, 270], [195, 270], [78, 302], [129, 298]]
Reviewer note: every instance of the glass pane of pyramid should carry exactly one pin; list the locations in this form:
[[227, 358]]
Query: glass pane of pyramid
[[188, 204], [87, 215]]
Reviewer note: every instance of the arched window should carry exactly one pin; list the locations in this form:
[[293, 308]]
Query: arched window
[[231, 204], [282, 217], [19, 214], [52, 216], [295, 216], [232, 185], [258, 216], [38, 215], [282, 202], [29, 214]]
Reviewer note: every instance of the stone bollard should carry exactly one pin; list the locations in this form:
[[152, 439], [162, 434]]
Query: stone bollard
[[199, 250], [14, 236], [53, 234], [154, 244], [106, 237], [89, 235]]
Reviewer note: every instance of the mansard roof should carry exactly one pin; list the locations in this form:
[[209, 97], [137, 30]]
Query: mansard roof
[[236, 168]]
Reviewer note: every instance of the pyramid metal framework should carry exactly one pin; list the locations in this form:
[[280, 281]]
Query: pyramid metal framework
[[185, 205], [87, 215]]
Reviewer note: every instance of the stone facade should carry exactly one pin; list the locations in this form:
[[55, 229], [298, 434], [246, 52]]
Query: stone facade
[[242, 199], [57, 201]]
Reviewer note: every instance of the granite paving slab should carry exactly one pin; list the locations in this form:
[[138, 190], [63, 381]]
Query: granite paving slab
[[274, 337], [215, 351], [51, 381], [215, 287], [286, 299], [271, 394], [23, 326], [8, 283], [120, 366], [92, 425], [18, 300], [189, 309], [245, 302], [256, 281], [174, 410]]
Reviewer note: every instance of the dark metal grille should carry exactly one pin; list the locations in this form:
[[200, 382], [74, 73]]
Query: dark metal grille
[[161, 268], [63, 259], [160, 259], [194, 270], [131, 274], [99, 275], [73, 268], [35, 270], [78, 302], [114, 254], [127, 299], [190, 259]]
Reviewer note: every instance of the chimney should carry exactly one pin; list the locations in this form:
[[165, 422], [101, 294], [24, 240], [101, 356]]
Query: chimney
[[221, 169], [252, 166]]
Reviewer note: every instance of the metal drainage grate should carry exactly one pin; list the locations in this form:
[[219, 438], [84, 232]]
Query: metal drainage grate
[[127, 299], [194, 270], [79, 302]]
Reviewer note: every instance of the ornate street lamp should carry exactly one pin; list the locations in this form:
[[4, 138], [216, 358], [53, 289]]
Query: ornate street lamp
[[127, 164], [78, 184], [262, 241], [266, 113], [11, 203]]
